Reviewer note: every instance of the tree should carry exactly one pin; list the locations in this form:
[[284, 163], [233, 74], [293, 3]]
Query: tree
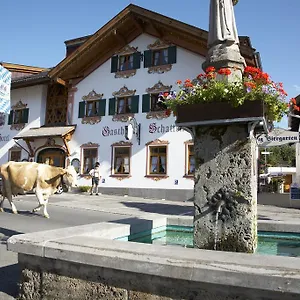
[[282, 156]]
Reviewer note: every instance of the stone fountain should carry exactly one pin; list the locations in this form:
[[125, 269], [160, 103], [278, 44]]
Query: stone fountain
[[226, 174]]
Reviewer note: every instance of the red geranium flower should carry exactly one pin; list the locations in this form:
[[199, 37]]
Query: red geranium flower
[[210, 69]]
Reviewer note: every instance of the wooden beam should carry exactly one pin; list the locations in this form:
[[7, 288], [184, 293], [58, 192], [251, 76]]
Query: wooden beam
[[31, 152], [159, 31], [138, 23], [66, 145], [60, 81], [120, 37]]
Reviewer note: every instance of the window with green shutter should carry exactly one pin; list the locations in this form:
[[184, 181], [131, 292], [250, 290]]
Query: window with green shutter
[[160, 57], [172, 55], [147, 59], [25, 115], [10, 117], [126, 62], [81, 111], [146, 103], [124, 105], [114, 64], [112, 106], [135, 104], [136, 60], [102, 107], [18, 116]]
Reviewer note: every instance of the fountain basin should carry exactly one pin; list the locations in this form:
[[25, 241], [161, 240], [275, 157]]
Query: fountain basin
[[269, 243], [87, 261]]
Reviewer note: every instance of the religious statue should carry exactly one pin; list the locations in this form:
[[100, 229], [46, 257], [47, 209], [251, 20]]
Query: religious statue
[[222, 26]]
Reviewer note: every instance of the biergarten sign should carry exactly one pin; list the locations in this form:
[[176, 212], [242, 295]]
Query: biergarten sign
[[278, 137]]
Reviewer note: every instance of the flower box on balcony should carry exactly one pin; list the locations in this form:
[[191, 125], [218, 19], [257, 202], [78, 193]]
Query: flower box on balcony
[[219, 112]]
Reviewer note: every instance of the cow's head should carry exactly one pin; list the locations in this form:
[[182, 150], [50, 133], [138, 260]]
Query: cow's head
[[70, 177]]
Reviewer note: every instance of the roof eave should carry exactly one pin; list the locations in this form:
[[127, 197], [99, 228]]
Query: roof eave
[[28, 83]]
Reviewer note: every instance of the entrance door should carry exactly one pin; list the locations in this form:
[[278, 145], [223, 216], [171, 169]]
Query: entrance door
[[52, 157]]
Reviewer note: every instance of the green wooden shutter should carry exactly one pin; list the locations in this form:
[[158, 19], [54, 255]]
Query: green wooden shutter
[[25, 115], [135, 104], [114, 64], [147, 58], [136, 60], [172, 54], [10, 117], [146, 103], [102, 107], [112, 106], [81, 112]]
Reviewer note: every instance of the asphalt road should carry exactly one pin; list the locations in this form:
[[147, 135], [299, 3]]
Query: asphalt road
[[26, 222]]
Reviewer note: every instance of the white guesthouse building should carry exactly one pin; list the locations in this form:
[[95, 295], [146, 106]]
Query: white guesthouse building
[[76, 112]]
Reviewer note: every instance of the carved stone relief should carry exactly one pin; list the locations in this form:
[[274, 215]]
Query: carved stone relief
[[92, 96], [157, 178], [89, 145], [120, 177], [159, 115], [122, 117], [157, 142], [50, 142], [158, 88], [159, 44], [123, 92], [91, 120], [160, 69], [125, 74], [121, 143], [127, 50], [17, 127], [19, 105]]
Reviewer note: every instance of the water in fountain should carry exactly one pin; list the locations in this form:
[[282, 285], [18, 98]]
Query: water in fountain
[[219, 209]]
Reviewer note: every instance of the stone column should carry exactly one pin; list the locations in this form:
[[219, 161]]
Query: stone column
[[226, 167], [225, 189]]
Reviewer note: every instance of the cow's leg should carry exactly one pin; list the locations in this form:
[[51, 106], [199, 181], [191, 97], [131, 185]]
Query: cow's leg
[[9, 198], [42, 202], [37, 208], [1, 204], [13, 207], [46, 215]]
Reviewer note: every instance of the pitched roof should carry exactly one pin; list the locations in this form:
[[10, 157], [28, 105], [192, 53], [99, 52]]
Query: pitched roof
[[124, 28], [30, 80], [23, 75]]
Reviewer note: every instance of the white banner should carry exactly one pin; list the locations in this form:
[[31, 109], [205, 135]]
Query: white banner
[[5, 81], [277, 137]]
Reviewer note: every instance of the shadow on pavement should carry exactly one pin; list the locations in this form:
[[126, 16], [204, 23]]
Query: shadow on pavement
[[9, 278], [27, 213], [160, 208]]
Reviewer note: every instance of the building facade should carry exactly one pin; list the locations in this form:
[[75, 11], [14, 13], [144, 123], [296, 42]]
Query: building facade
[[78, 112]]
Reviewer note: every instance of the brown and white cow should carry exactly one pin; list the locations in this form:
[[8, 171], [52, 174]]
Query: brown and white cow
[[20, 177]]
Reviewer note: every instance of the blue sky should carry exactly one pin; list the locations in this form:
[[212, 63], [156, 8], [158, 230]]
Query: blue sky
[[33, 31]]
